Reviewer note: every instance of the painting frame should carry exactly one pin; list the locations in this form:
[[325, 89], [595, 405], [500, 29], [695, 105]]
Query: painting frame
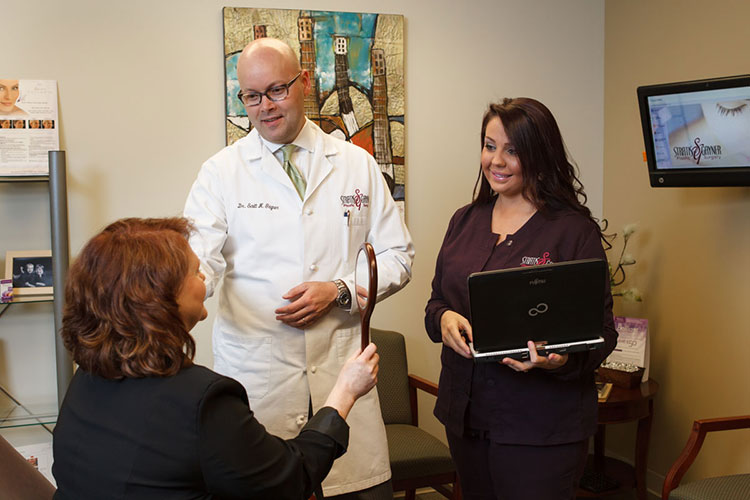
[[29, 281]]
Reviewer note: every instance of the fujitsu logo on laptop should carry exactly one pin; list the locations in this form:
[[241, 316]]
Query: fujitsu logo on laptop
[[537, 281]]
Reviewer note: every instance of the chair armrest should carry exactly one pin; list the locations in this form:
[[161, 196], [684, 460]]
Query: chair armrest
[[693, 446], [424, 384], [415, 383], [723, 424]]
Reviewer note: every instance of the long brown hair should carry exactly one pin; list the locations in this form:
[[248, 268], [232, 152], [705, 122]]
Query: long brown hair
[[550, 180], [121, 316]]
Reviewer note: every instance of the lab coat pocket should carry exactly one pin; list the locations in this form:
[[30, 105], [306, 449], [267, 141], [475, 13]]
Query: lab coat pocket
[[355, 230], [347, 343], [246, 359]]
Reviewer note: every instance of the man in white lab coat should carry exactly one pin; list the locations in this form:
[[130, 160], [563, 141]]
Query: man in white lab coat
[[286, 250]]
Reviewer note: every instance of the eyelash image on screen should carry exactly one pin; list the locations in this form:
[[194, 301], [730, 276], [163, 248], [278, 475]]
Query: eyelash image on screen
[[730, 111]]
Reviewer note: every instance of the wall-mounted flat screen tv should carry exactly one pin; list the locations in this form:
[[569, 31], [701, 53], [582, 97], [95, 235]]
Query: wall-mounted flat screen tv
[[697, 133]]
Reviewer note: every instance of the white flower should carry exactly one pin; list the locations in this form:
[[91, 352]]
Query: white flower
[[632, 294], [628, 231], [617, 276]]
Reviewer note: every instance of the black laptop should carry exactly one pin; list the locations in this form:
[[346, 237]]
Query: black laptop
[[558, 306]]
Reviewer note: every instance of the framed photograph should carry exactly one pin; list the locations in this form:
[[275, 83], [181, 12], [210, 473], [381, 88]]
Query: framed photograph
[[30, 270]]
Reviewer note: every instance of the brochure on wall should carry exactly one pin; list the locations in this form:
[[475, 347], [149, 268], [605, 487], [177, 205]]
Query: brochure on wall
[[28, 126], [40, 456], [633, 345]]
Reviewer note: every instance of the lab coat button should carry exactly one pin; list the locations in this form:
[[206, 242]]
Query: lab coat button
[[308, 211], [301, 420], [313, 267], [313, 369]]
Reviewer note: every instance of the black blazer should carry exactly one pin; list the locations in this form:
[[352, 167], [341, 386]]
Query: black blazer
[[192, 435]]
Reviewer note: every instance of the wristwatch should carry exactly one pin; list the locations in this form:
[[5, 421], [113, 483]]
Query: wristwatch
[[344, 299]]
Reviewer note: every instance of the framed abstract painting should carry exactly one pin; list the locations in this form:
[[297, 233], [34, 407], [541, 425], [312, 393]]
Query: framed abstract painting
[[356, 67]]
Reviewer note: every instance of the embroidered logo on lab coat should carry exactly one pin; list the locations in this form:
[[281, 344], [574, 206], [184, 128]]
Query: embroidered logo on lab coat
[[358, 200]]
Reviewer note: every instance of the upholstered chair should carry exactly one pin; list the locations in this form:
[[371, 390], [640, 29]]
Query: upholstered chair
[[418, 459], [733, 487]]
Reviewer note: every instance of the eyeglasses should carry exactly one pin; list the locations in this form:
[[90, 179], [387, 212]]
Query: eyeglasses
[[275, 94]]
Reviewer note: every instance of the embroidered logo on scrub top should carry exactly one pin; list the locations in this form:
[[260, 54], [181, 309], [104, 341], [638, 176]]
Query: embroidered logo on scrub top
[[536, 261], [358, 200]]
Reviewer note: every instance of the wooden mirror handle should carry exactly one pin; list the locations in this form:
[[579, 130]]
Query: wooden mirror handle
[[364, 314]]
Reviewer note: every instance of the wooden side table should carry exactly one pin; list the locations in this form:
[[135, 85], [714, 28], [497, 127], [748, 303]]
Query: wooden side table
[[624, 405]]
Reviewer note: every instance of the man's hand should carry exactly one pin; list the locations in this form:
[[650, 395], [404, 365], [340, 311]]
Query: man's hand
[[310, 301]]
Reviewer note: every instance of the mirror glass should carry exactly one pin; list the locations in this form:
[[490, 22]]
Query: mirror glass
[[362, 279]]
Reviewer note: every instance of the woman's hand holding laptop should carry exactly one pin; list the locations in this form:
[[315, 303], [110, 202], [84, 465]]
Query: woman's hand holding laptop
[[536, 360], [456, 332], [456, 329]]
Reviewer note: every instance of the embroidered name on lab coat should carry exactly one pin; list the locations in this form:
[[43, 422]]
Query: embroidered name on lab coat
[[267, 206]]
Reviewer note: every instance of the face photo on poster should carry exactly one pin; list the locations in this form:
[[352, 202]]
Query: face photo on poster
[[30, 270], [10, 95]]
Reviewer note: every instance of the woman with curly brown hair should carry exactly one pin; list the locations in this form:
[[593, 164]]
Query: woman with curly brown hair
[[516, 429], [140, 419]]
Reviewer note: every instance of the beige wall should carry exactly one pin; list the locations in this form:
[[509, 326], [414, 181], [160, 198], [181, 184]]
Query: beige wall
[[694, 244], [141, 104]]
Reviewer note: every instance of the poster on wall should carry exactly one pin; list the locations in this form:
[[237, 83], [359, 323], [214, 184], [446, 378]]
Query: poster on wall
[[356, 67], [28, 126]]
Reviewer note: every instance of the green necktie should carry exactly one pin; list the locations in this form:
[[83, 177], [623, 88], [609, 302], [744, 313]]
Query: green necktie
[[291, 170]]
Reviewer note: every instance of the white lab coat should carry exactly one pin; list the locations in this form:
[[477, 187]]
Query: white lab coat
[[255, 232]]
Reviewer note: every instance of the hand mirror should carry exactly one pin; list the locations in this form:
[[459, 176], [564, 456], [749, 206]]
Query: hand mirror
[[366, 287]]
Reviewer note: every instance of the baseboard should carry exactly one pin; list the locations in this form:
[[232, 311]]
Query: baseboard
[[654, 484], [654, 480]]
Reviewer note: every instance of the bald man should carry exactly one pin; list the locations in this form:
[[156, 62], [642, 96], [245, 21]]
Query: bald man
[[280, 216]]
